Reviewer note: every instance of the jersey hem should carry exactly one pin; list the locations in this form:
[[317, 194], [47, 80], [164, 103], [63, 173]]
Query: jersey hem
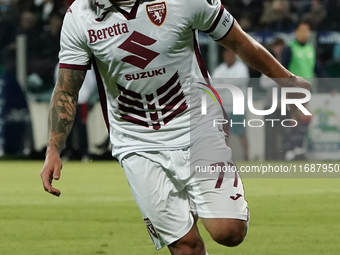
[[182, 232], [224, 215], [122, 155]]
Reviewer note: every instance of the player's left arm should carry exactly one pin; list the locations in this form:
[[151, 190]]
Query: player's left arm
[[256, 56]]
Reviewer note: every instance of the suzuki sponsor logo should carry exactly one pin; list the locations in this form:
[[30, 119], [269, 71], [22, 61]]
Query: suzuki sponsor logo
[[134, 44], [143, 75]]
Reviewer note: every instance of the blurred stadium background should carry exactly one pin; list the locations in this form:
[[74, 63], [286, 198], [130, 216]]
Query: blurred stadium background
[[96, 213]]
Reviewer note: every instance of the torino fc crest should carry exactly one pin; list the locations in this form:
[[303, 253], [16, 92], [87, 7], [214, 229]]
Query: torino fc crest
[[156, 13]]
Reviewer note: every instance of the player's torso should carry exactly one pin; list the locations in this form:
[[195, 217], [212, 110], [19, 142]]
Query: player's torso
[[145, 58]]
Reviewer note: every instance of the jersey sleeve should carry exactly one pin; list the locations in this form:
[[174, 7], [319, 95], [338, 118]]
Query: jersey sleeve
[[74, 53], [210, 16]]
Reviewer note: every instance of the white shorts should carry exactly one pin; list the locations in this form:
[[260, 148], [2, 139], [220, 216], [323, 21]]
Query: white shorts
[[168, 190]]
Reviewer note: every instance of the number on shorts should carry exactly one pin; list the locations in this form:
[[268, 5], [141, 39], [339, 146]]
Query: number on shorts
[[221, 165]]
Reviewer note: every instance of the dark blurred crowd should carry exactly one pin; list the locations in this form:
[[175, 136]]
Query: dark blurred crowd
[[40, 21], [284, 15]]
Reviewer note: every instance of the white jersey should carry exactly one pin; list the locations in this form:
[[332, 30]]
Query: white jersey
[[145, 60]]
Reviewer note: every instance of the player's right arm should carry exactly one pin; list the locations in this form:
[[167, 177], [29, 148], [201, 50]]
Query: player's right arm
[[60, 121], [74, 60], [256, 56]]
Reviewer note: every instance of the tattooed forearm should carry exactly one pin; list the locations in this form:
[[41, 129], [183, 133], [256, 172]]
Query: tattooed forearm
[[63, 106]]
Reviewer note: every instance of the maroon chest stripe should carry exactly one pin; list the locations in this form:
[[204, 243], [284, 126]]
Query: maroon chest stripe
[[132, 13], [170, 82], [129, 92], [179, 110], [172, 92], [173, 103], [126, 109], [131, 102]]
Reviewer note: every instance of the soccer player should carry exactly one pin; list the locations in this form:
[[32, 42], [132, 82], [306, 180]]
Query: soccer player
[[145, 54]]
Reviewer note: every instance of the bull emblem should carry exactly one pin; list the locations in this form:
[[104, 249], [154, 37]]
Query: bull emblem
[[156, 13]]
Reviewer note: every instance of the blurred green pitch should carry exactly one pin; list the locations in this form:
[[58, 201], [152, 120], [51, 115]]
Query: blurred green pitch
[[96, 214]]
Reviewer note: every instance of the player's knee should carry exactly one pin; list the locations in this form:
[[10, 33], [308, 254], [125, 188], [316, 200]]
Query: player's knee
[[188, 246], [190, 249], [231, 236], [229, 239]]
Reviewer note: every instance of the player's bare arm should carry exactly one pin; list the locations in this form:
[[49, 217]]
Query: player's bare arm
[[60, 122], [256, 56]]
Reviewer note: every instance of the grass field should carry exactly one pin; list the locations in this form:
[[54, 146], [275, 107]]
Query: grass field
[[96, 214]]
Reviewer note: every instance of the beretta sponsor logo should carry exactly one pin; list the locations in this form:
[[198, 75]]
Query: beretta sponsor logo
[[102, 34]]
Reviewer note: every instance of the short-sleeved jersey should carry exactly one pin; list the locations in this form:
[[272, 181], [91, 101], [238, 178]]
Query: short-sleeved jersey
[[145, 60]]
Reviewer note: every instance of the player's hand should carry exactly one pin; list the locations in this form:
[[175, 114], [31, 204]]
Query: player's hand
[[51, 170], [296, 82]]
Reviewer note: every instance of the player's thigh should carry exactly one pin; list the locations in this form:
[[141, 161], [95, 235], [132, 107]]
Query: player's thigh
[[222, 208], [219, 193], [220, 197], [216, 188], [164, 207]]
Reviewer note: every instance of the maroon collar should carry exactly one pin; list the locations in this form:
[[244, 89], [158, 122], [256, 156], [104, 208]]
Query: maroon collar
[[132, 13]]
